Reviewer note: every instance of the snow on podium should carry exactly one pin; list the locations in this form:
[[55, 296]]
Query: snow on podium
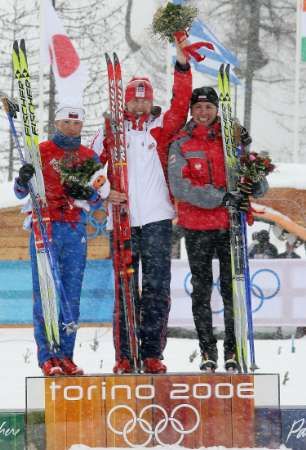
[[192, 410]]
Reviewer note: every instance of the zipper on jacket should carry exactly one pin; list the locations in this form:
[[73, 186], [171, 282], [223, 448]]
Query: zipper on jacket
[[209, 171]]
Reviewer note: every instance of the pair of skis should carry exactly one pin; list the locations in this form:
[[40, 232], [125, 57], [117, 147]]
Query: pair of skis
[[125, 293], [238, 240], [48, 273]]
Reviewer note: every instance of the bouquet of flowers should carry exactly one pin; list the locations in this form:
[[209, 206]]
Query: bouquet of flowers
[[171, 19], [79, 173], [254, 167], [87, 176]]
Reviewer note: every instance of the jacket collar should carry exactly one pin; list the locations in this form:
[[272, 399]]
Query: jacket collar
[[137, 122], [202, 132]]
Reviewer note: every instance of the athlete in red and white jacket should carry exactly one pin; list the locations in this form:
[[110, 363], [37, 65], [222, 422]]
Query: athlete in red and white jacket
[[148, 136]]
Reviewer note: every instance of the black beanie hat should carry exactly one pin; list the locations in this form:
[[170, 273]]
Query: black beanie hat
[[204, 94]]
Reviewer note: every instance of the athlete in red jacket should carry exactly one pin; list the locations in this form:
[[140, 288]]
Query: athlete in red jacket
[[69, 238], [198, 183]]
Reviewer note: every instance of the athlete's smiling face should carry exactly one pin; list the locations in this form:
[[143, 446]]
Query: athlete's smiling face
[[139, 106], [70, 128], [204, 113]]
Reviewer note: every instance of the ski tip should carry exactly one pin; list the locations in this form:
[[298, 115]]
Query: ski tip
[[16, 47], [107, 57], [116, 59], [22, 47], [227, 69]]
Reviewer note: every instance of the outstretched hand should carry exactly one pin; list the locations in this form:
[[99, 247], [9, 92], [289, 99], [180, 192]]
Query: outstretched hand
[[180, 44]]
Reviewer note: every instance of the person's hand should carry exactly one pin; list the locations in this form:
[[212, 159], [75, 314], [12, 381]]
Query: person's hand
[[180, 44], [116, 197], [79, 192], [237, 200], [245, 186], [25, 173]]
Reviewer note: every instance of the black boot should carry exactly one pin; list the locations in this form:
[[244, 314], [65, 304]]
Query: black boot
[[209, 361], [231, 365]]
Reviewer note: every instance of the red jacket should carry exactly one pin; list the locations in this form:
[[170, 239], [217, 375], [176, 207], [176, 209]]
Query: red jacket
[[60, 206], [197, 177]]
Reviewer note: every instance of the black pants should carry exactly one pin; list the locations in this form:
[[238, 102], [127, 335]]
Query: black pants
[[201, 247], [151, 245]]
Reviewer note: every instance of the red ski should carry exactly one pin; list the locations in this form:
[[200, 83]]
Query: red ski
[[122, 251]]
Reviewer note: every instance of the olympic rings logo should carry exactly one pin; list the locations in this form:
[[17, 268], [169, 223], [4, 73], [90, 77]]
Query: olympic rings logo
[[146, 426], [257, 290]]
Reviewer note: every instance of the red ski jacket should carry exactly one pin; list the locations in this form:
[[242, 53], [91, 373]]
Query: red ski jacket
[[197, 177], [60, 206]]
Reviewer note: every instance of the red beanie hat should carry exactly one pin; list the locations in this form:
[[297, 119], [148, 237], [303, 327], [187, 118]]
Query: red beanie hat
[[139, 88]]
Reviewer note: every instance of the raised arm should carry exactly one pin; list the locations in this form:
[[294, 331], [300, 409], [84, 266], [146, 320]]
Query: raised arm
[[176, 116]]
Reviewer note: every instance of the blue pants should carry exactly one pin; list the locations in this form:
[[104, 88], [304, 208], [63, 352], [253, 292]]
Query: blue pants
[[151, 244], [70, 249]]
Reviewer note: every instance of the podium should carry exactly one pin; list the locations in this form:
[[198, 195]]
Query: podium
[[192, 410]]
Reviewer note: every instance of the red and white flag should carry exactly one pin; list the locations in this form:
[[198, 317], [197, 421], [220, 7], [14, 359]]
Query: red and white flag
[[69, 72]]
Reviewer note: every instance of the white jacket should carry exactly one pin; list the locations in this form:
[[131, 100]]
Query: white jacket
[[149, 199]]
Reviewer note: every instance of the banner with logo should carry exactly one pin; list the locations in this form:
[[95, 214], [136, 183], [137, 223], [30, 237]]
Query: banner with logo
[[192, 410], [12, 430], [278, 293]]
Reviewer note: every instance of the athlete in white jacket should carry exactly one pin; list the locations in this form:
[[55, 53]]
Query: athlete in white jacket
[[148, 135]]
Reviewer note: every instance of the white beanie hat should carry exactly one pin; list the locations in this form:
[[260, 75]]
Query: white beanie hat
[[66, 112]]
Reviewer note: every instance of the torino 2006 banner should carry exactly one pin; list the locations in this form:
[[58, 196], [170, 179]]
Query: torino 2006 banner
[[192, 410], [278, 289]]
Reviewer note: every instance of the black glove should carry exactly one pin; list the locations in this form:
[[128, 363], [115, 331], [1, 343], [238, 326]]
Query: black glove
[[25, 174], [78, 191], [245, 138], [237, 200]]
